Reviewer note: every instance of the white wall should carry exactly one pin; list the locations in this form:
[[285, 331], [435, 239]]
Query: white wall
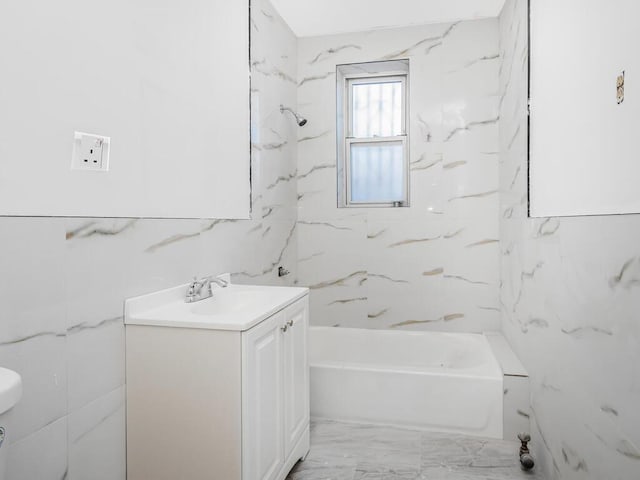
[[570, 303], [433, 265], [583, 143], [166, 81], [63, 283]]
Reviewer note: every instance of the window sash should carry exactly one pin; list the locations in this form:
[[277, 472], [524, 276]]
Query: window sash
[[402, 139], [368, 73], [369, 80]]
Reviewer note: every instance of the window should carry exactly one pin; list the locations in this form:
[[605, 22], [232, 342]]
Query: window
[[372, 134]]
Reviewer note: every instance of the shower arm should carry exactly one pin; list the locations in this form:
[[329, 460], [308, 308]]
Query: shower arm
[[300, 120]]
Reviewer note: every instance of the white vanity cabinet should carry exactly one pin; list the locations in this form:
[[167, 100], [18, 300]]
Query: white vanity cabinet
[[296, 374], [217, 403], [275, 355]]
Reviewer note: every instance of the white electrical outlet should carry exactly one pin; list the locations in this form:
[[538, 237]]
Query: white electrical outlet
[[90, 152]]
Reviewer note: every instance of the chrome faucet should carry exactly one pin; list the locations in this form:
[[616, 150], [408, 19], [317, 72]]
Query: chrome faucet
[[201, 289], [221, 282]]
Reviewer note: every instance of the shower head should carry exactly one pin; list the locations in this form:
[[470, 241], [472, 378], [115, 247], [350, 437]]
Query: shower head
[[300, 120]]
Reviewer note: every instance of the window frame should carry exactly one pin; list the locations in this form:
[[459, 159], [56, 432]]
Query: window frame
[[369, 73]]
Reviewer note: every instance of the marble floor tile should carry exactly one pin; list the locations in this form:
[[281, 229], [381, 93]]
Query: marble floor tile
[[445, 450], [321, 473], [476, 473], [346, 451], [368, 472]]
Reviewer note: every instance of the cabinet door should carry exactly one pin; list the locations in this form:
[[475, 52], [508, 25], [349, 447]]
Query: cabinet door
[[262, 403], [296, 373]]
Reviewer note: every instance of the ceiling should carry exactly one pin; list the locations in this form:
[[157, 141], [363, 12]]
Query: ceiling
[[324, 17]]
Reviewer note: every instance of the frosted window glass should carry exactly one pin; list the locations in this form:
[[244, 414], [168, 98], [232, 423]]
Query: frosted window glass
[[376, 172], [376, 109]]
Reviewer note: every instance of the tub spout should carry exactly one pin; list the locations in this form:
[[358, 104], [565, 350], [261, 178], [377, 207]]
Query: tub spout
[[526, 459]]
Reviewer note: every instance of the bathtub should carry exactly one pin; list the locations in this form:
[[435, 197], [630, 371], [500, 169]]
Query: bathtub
[[449, 382]]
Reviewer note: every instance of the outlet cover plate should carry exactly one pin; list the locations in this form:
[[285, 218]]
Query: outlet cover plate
[[90, 152]]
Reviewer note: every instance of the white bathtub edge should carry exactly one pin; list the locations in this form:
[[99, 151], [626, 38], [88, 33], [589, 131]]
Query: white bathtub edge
[[504, 354]]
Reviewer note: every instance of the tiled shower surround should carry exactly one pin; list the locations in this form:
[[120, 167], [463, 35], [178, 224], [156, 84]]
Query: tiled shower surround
[[570, 302], [431, 265], [64, 282]]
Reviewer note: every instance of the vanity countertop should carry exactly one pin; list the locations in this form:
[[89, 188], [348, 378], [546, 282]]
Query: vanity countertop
[[234, 307]]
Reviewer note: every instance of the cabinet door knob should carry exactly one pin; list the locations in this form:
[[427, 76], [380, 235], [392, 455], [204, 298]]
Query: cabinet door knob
[[284, 328], [290, 323]]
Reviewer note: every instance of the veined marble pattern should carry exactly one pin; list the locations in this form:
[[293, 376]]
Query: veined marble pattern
[[570, 302], [344, 451], [431, 265], [64, 282]]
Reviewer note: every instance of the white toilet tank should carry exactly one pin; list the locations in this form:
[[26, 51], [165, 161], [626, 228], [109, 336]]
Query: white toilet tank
[[10, 393]]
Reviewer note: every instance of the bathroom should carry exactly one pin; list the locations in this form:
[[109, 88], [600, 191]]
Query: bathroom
[[516, 273]]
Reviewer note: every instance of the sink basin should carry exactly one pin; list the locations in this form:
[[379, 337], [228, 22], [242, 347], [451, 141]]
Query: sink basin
[[10, 389], [235, 307], [230, 300]]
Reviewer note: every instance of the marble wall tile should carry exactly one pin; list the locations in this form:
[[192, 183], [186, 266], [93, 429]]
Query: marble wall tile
[[33, 318], [516, 411], [95, 284], [95, 361], [41, 455], [41, 361], [394, 302], [409, 258], [229, 246], [330, 250], [569, 301], [333, 265], [96, 436], [158, 243], [343, 304], [32, 288]]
